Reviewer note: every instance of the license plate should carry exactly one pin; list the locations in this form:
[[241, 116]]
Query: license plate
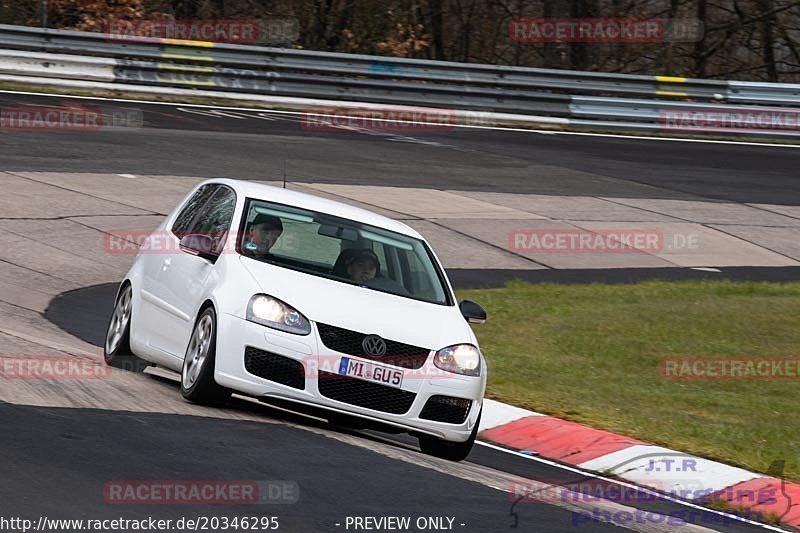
[[371, 372]]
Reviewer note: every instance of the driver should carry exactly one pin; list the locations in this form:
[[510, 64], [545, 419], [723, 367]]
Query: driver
[[261, 235]]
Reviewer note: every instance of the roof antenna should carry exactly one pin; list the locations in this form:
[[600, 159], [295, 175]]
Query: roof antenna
[[284, 172]]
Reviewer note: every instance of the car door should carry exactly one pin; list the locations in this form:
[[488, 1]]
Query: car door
[[155, 252], [184, 279]]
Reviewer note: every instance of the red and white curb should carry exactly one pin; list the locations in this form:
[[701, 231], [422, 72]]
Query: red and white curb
[[678, 474]]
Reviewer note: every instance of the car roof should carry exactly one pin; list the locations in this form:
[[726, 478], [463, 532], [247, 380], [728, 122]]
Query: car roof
[[261, 191]]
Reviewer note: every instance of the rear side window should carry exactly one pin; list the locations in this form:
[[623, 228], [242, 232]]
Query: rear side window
[[216, 218], [185, 221]]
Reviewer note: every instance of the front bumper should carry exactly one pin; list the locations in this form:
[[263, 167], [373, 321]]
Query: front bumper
[[235, 335]]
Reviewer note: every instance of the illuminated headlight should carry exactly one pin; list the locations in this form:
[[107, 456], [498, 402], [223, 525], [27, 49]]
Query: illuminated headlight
[[461, 359], [273, 313]]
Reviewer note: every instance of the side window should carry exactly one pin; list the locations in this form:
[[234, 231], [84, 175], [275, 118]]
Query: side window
[[184, 221], [216, 218]]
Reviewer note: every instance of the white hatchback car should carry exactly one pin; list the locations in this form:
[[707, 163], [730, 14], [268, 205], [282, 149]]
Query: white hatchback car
[[308, 302]]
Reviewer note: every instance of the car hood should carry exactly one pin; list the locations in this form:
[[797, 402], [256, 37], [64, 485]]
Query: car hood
[[360, 309]]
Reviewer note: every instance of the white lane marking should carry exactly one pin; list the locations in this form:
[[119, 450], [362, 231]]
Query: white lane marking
[[680, 139], [495, 128], [707, 269], [129, 176], [263, 116], [625, 484], [210, 113]]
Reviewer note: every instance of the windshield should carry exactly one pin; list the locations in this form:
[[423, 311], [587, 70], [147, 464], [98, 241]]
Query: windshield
[[340, 249]]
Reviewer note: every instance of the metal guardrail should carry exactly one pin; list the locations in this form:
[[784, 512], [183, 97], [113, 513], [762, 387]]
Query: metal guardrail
[[584, 99]]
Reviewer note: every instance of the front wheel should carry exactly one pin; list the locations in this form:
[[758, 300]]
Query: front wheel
[[197, 375], [452, 451]]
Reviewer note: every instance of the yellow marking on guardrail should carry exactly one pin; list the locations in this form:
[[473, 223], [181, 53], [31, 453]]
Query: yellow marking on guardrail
[[671, 79], [672, 93], [208, 83], [184, 42], [185, 68], [184, 57]]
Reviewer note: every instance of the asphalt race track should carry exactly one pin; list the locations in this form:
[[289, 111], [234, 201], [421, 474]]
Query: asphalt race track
[[64, 192], [201, 143]]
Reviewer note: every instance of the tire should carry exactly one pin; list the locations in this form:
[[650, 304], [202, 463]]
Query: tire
[[197, 374], [117, 346], [452, 451]]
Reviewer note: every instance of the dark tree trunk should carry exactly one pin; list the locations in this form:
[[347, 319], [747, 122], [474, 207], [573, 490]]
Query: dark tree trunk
[[579, 52], [667, 52], [434, 15], [557, 55], [700, 58], [340, 23], [767, 24]]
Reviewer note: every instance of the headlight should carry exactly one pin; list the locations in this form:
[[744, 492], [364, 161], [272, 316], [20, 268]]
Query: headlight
[[461, 359], [273, 313]]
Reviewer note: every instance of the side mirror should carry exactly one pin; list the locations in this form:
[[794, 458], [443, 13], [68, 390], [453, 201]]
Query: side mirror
[[199, 245], [472, 312]]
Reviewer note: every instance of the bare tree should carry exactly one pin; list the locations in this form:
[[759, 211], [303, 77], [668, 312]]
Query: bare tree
[[747, 39]]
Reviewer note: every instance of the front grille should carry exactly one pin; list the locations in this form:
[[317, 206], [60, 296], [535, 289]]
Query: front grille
[[274, 367], [446, 409], [349, 342], [365, 394]]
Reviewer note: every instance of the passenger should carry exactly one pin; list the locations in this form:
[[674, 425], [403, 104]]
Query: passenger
[[261, 236]]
